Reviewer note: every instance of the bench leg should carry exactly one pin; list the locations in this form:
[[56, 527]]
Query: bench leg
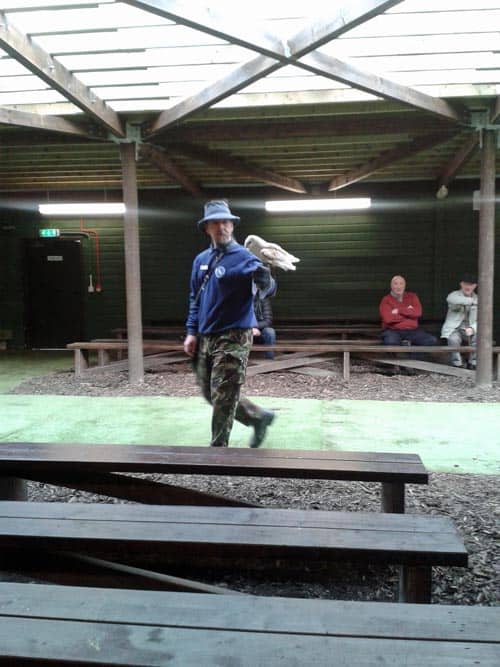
[[102, 357], [13, 488], [81, 362], [347, 366], [393, 497], [415, 584]]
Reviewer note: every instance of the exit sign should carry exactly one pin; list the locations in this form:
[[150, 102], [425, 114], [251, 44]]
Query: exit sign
[[48, 233]]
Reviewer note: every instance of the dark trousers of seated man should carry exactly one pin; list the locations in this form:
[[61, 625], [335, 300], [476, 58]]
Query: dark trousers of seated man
[[408, 337], [267, 337], [220, 370]]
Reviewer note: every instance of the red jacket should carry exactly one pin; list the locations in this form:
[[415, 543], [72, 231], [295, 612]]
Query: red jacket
[[407, 312]]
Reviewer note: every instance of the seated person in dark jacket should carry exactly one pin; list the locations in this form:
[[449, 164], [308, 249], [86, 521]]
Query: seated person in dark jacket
[[264, 332]]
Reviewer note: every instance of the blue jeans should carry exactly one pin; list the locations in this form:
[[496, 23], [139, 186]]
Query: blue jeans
[[412, 336], [267, 337], [408, 337]]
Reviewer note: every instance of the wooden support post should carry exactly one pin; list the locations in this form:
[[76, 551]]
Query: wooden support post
[[102, 357], [415, 583], [393, 497], [132, 264], [81, 361], [347, 366], [486, 261], [13, 488]]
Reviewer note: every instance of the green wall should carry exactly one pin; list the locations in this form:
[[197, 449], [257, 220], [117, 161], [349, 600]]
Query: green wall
[[347, 259]]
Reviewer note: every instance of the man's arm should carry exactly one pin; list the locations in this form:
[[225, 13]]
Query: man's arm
[[389, 313], [264, 281], [412, 310], [194, 286], [457, 299]]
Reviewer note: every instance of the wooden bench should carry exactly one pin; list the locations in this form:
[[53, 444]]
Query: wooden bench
[[94, 468], [63, 624], [308, 350], [103, 347], [348, 348], [162, 534]]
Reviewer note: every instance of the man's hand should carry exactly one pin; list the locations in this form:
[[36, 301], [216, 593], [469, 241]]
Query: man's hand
[[469, 331], [190, 343], [255, 331], [394, 311]]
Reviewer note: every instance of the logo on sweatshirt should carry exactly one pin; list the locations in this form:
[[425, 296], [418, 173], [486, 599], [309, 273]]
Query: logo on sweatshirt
[[219, 271]]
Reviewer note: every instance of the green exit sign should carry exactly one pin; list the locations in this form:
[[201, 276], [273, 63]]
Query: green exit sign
[[48, 233]]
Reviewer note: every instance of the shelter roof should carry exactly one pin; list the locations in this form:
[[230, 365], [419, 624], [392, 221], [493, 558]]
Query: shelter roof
[[300, 96]]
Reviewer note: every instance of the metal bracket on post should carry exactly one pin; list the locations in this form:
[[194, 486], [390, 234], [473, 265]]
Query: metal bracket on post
[[133, 135], [480, 119]]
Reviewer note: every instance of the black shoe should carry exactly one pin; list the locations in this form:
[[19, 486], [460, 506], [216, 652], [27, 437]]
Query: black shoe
[[260, 427], [471, 367]]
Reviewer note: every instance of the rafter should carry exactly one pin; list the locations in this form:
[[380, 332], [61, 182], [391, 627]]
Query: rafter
[[388, 157], [167, 166], [340, 126], [346, 18], [41, 63], [332, 68], [239, 78], [250, 35], [226, 161], [51, 123], [458, 161], [255, 69]]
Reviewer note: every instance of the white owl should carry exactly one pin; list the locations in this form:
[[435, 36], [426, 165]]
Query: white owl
[[271, 253]]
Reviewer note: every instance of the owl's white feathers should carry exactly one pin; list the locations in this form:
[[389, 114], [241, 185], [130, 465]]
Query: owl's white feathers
[[271, 253]]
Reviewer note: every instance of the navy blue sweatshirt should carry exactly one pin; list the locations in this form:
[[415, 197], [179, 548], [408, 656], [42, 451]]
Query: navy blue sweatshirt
[[226, 302]]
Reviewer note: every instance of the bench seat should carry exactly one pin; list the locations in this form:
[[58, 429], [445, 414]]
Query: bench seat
[[93, 468], [414, 542], [59, 624], [299, 347]]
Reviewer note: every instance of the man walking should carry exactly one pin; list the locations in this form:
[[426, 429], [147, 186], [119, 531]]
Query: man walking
[[224, 279]]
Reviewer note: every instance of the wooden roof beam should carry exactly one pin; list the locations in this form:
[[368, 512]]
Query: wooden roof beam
[[252, 36], [236, 165], [340, 126], [456, 163], [40, 63], [245, 74], [50, 123], [239, 78], [332, 68], [388, 157], [167, 166], [346, 18]]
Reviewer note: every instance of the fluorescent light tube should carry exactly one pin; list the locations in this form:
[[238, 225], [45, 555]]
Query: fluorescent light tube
[[106, 208], [292, 205]]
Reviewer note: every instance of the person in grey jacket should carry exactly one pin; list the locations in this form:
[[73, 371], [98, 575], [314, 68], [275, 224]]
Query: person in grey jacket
[[460, 325]]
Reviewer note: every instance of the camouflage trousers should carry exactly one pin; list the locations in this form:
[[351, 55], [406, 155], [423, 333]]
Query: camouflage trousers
[[220, 369]]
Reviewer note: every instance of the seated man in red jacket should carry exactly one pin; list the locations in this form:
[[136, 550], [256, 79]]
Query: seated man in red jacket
[[400, 311]]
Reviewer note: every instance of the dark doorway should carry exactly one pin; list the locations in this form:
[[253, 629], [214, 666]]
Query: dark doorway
[[53, 292]]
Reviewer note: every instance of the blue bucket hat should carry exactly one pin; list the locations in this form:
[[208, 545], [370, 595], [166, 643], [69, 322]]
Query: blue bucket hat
[[217, 209]]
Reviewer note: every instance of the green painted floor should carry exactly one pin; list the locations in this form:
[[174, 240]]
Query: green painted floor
[[450, 437]]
